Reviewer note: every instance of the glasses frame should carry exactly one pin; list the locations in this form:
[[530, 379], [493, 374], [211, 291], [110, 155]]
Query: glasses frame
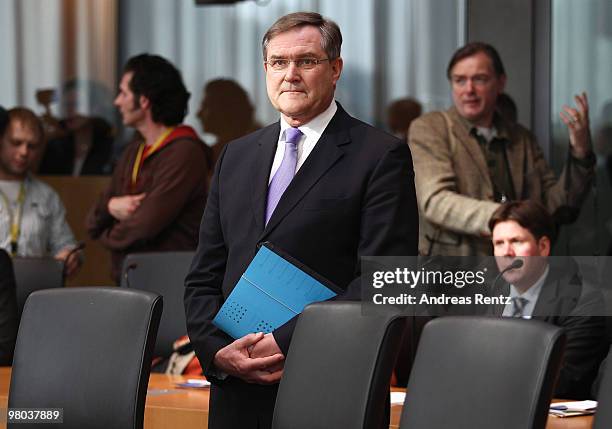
[[479, 81], [316, 62]]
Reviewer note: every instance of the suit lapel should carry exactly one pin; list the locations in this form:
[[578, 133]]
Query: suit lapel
[[324, 155], [261, 171]]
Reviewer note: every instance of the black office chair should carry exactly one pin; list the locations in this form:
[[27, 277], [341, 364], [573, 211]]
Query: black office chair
[[603, 417], [478, 372], [163, 273], [33, 274], [338, 368], [87, 351]]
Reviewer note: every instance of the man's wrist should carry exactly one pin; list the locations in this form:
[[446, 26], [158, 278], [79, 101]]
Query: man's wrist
[[584, 160]]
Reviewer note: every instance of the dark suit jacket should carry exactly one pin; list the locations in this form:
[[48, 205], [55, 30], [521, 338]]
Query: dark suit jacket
[[8, 310], [566, 302], [353, 196]]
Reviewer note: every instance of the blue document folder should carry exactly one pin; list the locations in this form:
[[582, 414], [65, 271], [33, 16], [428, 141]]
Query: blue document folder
[[273, 289]]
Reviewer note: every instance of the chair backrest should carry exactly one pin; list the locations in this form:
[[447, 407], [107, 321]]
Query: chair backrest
[[338, 368], [163, 273], [477, 372], [87, 351], [33, 274], [603, 417]]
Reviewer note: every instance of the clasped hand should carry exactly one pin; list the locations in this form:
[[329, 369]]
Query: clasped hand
[[254, 358]]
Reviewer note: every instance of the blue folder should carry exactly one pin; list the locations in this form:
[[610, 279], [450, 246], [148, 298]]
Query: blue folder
[[273, 289]]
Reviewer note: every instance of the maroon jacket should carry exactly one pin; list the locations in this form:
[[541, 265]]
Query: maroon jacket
[[175, 182]]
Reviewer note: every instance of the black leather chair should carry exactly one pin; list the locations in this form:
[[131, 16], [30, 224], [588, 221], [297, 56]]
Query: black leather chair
[[34, 274], [87, 351], [603, 417], [478, 372], [338, 368], [163, 273]]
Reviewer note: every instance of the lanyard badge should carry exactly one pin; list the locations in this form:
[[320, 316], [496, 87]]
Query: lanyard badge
[[15, 218]]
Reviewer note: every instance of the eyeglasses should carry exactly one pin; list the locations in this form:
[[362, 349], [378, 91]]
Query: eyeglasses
[[280, 64], [479, 80]]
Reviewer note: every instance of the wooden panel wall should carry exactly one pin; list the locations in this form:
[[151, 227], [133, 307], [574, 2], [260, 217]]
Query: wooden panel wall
[[78, 195]]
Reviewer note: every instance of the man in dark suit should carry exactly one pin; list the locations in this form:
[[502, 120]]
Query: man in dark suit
[[8, 299], [349, 192], [550, 290], [9, 322]]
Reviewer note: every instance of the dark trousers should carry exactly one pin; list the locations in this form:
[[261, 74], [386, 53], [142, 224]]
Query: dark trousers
[[236, 404]]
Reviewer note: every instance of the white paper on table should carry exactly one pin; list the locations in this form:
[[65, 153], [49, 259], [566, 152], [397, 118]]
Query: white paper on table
[[397, 398], [574, 406], [195, 383]]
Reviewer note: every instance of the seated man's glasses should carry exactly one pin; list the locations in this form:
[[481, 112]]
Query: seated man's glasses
[[280, 64]]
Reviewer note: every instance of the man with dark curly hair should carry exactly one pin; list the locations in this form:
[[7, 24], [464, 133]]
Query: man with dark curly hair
[[158, 190]]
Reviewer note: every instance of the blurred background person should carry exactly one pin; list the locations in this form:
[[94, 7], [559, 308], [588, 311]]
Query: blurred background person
[[158, 191], [226, 112], [32, 218], [400, 115], [78, 144], [469, 159]]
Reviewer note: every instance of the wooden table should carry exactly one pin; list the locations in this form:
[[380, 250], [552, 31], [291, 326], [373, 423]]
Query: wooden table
[[188, 409], [169, 407], [584, 422]]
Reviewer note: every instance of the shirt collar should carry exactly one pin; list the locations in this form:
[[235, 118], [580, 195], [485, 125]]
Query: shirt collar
[[501, 127], [313, 129], [488, 133]]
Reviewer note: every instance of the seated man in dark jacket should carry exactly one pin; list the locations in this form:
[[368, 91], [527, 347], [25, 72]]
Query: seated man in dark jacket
[[549, 290]]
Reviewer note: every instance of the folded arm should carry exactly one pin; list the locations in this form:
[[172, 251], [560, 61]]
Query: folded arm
[[183, 170]]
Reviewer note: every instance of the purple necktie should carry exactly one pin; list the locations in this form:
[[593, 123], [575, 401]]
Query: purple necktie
[[285, 172]]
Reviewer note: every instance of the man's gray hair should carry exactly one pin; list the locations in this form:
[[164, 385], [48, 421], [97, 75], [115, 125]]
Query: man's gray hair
[[331, 38]]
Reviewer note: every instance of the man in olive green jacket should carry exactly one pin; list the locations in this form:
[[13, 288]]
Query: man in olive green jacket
[[468, 160]]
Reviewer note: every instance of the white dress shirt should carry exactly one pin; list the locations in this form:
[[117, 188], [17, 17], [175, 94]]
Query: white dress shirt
[[312, 131], [531, 295]]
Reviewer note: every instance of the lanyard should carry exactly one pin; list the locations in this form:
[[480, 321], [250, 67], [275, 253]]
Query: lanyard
[[145, 152], [15, 218]]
